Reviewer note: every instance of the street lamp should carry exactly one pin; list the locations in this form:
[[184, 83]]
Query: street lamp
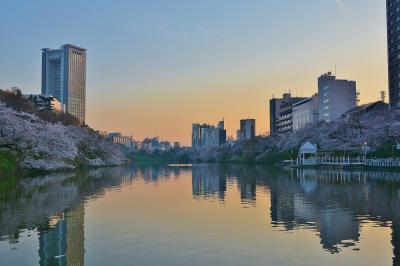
[[365, 150]]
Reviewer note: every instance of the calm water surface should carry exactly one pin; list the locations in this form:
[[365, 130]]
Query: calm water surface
[[201, 215]]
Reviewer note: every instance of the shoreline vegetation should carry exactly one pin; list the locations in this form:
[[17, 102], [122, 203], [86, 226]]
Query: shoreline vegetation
[[46, 140], [32, 139], [8, 163], [346, 136]]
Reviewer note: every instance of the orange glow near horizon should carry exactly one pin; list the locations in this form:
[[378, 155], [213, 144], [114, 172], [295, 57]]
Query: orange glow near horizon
[[239, 95]]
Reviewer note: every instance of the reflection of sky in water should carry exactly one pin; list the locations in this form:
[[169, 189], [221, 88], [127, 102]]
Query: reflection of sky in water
[[204, 214]]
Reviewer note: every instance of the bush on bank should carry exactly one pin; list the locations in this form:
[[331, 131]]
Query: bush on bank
[[8, 163]]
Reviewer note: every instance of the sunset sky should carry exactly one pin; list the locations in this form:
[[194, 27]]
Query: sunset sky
[[155, 66]]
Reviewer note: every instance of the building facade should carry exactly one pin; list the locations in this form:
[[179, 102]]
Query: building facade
[[305, 112], [222, 133], [393, 40], [378, 106], [281, 113], [274, 110], [44, 103], [177, 145], [335, 97], [204, 135], [124, 141], [64, 77], [247, 129]]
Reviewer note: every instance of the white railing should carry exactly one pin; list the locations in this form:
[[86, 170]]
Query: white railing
[[391, 162], [329, 160], [346, 161]]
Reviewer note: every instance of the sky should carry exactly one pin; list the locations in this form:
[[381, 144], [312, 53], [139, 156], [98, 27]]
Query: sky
[[154, 67]]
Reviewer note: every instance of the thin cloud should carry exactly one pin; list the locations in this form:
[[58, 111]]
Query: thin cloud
[[211, 32], [342, 5]]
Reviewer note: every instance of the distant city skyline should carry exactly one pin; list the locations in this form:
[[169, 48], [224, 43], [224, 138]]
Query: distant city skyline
[[155, 67]]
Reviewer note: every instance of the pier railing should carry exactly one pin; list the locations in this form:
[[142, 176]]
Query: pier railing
[[329, 160], [391, 162], [344, 161]]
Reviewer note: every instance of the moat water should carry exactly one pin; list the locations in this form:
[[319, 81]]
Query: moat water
[[201, 215]]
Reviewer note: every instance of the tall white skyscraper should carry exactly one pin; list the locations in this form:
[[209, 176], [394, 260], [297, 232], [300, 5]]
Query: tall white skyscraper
[[64, 77]]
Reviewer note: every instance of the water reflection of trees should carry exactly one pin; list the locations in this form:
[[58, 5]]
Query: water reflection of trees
[[332, 203], [54, 206]]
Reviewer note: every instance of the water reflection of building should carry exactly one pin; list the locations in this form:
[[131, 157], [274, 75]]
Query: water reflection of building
[[305, 202], [75, 218], [64, 242], [282, 204], [247, 187], [331, 203], [208, 182], [341, 197], [58, 199], [53, 244], [335, 227]]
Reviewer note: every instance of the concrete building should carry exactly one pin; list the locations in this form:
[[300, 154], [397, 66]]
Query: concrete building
[[274, 110], [247, 129], [165, 145], [207, 135], [222, 133], [378, 106], [177, 145], [393, 41], [335, 97], [305, 112], [280, 113], [64, 77], [196, 135], [118, 139], [45, 103]]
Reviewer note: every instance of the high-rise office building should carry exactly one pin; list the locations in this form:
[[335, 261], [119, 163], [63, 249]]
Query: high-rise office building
[[222, 132], [281, 113], [208, 136], [64, 77], [247, 129], [196, 137], [305, 112], [336, 96], [393, 40]]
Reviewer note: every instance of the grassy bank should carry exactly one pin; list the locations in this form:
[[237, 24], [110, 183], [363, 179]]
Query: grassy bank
[[8, 163]]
